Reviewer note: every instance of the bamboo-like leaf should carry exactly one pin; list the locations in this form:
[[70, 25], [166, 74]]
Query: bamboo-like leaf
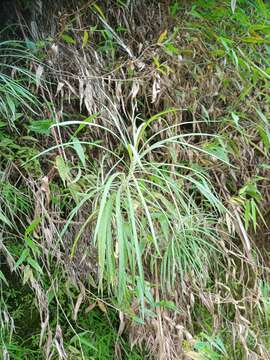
[[85, 38], [2, 277], [34, 264], [102, 241], [4, 219], [62, 168], [68, 39], [132, 219], [22, 258], [121, 247], [147, 212], [79, 150], [103, 201], [233, 5]]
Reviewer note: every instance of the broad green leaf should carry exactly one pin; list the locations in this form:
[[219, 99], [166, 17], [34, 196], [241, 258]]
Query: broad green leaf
[[11, 105], [62, 168], [32, 226], [132, 219], [167, 304], [218, 151], [86, 343], [103, 201], [121, 247], [32, 245], [171, 49], [22, 258], [265, 136], [41, 126], [247, 214], [235, 119], [102, 240], [34, 265], [84, 123], [148, 215], [254, 214], [68, 39], [79, 150]]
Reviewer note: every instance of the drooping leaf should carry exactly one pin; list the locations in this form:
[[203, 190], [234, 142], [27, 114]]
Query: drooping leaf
[[34, 264], [32, 226], [84, 123], [22, 258], [4, 219], [79, 150], [63, 169], [2, 277], [41, 126]]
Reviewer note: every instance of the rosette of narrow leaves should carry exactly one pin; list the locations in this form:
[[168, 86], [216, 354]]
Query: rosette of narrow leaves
[[145, 222]]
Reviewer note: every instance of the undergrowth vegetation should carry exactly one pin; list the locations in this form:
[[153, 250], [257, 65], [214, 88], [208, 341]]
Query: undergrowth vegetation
[[134, 180]]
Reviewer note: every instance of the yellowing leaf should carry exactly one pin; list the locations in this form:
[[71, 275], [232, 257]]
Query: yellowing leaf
[[27, 274], [90, 308], [85, 38], [254, 39], [98, 9], [162, 36], [102, 306]]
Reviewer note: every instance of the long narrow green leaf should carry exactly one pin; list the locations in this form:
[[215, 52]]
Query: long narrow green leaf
[[132, 220], [121, 247]]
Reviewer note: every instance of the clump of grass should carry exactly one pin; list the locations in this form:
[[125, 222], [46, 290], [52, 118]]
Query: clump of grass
[[93, 336], [16, 97], [139, 207]]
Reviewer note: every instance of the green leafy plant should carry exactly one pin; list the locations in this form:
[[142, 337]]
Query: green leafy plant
[[15, 94], [124, 215], [141, 207], [250, 198]]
